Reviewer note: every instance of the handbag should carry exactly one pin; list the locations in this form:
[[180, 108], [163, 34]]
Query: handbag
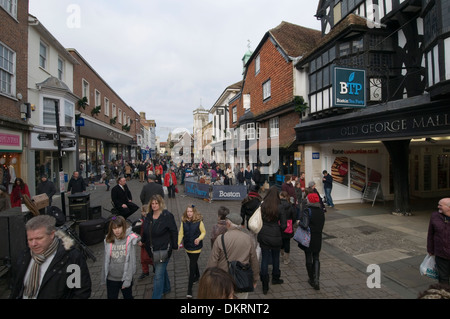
[[160, 256], [255, 222], [303, 236], [428, 267], [241, 273], [288, 229]]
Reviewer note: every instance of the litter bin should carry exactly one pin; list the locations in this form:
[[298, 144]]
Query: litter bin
[[79, 205]]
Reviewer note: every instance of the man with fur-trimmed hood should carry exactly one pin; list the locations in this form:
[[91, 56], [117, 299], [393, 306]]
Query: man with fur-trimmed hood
[[51, 267]]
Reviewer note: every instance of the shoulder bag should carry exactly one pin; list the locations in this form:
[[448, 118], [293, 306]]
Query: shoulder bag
[[241, 273], [255, 222]]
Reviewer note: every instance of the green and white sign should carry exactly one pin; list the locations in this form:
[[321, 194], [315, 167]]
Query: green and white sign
[[349, 87]]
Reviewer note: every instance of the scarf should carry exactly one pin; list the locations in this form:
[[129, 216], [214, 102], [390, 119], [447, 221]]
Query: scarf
[[33, 282]]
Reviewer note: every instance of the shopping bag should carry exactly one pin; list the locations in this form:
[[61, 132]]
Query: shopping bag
[[303, 236], [428, 267]]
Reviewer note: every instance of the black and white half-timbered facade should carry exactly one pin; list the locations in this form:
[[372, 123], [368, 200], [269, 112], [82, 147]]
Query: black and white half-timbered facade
[[379, 99]]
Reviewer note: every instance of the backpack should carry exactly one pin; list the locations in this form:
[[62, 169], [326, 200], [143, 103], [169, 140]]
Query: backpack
[[305, 217], [58, 214]]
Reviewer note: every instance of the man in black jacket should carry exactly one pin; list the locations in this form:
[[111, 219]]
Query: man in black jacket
[[150, 189], [50, 268], [122, 198], [46, 187], [76, 184]]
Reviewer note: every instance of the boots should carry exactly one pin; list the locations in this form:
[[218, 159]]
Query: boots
[[286, 259], [265, 283], [316, 274], [309, 269], [276, 279]]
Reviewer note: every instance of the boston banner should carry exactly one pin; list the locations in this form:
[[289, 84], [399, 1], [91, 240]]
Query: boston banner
[[234, 192]]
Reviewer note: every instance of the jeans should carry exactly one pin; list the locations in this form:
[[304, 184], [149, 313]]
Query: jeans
[[171, 191], [161, 282], [268, 255], [328, 196], [113, 288]]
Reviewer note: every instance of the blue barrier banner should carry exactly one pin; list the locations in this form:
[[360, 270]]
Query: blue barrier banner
[[196, 189], [226, 192]]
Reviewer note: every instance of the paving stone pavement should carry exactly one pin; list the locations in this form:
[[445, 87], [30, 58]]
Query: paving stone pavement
[[355, 235]]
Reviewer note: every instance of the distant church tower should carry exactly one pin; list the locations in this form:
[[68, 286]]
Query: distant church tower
[[246, 57], [201, 119]]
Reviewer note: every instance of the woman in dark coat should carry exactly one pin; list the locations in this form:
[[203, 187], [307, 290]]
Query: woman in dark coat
[[250, 203], [288, 211], [269, 238], [316, 223]]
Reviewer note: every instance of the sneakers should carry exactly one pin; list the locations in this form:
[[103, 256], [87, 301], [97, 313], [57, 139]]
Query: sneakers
[[143, 275]]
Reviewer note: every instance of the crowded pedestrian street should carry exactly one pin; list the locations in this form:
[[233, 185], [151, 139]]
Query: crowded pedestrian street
[[355, 236]]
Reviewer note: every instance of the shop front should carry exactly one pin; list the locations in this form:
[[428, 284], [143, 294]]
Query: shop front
[[352, 148], [11, 149], [100, 145]]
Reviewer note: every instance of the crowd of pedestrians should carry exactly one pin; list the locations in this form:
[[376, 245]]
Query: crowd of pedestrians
[[158, 235]]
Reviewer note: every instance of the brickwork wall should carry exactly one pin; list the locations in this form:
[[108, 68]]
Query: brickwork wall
[[14, 34], [84, 71], [273, 66]]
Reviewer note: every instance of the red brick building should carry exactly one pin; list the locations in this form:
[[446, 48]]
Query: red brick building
[[267, 99], [110, 125], [13, 90]]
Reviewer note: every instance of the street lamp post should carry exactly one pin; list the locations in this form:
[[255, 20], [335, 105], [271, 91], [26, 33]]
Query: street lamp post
[[61, 170]]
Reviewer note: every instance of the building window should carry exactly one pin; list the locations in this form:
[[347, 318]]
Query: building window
[[85, 90], [251, 133], [246, 101], [43, 51], [120, 116], [257, 64], [98, 98], [106, 107], [10, 6], [49, 116], [7, 70], [114, 111], [124, 118], [274, 127], [266, 90], [234, 114], [68, 113], [61, 65]]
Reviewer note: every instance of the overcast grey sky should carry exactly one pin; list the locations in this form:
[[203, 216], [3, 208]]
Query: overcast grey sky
[[168, 57]]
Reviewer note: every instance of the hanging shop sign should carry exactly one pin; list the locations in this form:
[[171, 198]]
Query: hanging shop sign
[[10, 141], [349, 87]]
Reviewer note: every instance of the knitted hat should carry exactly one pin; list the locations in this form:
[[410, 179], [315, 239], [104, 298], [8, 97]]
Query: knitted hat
[[234, 218], [313, 198]]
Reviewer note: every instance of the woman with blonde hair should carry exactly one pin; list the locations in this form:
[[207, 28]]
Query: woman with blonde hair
[[159, 238], [192, 232]]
